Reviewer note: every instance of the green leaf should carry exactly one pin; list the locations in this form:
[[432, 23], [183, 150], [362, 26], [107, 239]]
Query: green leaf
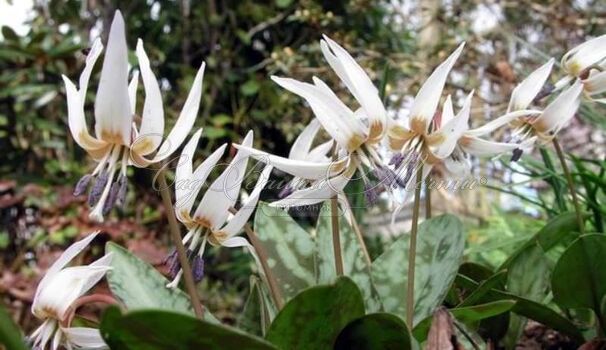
[[283, 3], [257, 313], [249, 88], [528, 275], [549, 236], [139, 286], [10, 335], [439, 252], [355, 264], [315, 317], [579, 277], [165, 330], [374, 331], [467, 314], [289, 247]]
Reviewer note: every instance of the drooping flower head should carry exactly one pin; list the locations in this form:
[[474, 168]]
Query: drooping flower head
[[587, 62], [212, 220], [119, 139], [357, 134], [56, 294]]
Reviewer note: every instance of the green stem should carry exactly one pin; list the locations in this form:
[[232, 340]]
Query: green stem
[[412, 250], [336, 237], [175, 234], [553, 180], [571, 186], [427, 199]]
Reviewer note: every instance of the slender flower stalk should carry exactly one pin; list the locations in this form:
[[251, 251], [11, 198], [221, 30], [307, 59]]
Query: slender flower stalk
[[56, 295], [120, 139], [210, 222], [412, 251], [175, 234], [571, 185]]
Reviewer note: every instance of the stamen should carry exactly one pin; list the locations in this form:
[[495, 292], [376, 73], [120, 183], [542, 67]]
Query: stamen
[[121, 196], [397, 159], [286, 191], [516, 154], [197, 267], [111, 198], [371, 193], [172, 262], [82, 185], [95, 193]]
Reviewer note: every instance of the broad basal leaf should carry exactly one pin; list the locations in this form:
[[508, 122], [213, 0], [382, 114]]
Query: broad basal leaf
[[355, 265], [440, 245], [374, 331], [10, 335], [314, 318], [579, 277], [289, 247], [165, 330], [139, 286]]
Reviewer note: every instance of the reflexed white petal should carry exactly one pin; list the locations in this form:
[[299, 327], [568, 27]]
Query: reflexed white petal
[[525, 92], [501, 121], [185, 166], [112, 104], [186, 119], [77, 121], [83, 337], [325, 109], [356, 80], [483, 148], [561, 110], [195, 182], [63, 260], [319, 153], [91, 59], [428, 97], [300, 168], [235, 242], [454, 129], [64, 288], [319, 191], [152, 120], [235, 224], [300, 148], [458, 168], [595, 83], [223, 192], [447, 112], [132, 91], [585, 55]]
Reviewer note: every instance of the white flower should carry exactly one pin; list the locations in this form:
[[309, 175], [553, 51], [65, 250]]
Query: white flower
[[212, 221], [357, 134], [556, 115], [57, 291], [587, 62], [118, 141], [422, 142]]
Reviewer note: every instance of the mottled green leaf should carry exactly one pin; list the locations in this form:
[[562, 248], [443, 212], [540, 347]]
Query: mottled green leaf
[[314, 318], [374, 331], [10, 335], [579, 277], [355, 265], [440, 247], [165, 330], [289, 247], [139, 286]]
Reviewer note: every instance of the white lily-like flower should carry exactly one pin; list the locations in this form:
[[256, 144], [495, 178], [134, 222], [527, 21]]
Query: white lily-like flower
[[118, 140], [468, 142], [421, 142], [212, 220], [545, 125], [357, 134], [587, 62], [60, 287]]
